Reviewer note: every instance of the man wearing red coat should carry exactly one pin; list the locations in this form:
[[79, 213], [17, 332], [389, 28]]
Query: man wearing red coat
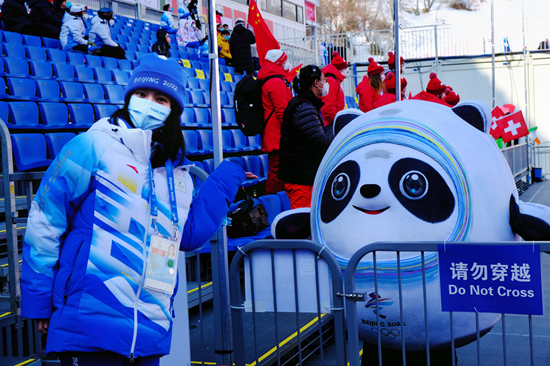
[[275, 97], [435, 91], [335, 72]]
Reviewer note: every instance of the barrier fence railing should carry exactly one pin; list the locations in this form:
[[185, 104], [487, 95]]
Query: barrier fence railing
[[398, 248], [296, 299]]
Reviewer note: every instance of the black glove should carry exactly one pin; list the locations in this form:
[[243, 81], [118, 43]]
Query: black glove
[[86, 38]]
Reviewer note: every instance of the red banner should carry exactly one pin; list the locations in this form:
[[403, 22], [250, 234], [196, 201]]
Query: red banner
[[310, 12]]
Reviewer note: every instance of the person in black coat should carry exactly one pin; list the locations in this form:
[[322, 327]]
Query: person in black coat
[[17, 20], [44, 16], [239, 46], [304, 137], [60, 8], [162, 45]]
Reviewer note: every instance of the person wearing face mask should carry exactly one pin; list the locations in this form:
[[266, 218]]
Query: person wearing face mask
[[162, 45], [371, 87], [16, 19], [73, 37], [239, 44], [335, 101], [435, 91], [195, 35], [182, 36], [275, 97], [167, 21], [389, 94], [44, 16], [223, 44], [100, 35], [108, 209], [304, 136]]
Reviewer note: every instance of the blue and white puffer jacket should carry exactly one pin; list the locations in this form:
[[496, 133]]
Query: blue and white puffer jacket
[[100, 34], [72, 32], [167, 22], [84, 254]]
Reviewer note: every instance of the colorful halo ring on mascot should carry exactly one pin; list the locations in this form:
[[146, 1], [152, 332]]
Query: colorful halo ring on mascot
[[417, 138]]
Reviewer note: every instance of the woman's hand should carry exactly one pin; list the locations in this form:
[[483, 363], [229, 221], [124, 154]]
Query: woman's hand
[[250, 175], [43, 325]]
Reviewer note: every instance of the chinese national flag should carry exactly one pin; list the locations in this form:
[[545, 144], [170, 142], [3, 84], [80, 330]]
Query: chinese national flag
[[264, 39], [496, 113], [512, 126], [292, 73]]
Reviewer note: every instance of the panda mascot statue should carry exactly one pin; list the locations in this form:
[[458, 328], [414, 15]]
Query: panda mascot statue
[[406, 172]]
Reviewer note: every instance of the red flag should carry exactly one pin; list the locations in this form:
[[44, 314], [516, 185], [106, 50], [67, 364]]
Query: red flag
[[512, 126], [508, 108], [496, 113], [264, 39], [292, 73]]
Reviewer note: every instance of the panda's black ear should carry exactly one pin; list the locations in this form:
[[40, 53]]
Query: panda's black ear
[[293, 224], [476, 113], [344, 117]]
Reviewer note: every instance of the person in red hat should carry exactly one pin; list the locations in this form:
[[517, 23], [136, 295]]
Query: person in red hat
[[391, 62], [275, 97], [389, 95], [435, 91], [335, 72], [451, 98], [370, 89]]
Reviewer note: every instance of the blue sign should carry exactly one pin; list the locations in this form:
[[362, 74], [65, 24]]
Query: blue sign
[[490, 278]]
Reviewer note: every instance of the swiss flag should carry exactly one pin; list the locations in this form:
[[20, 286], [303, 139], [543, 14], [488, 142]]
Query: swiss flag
[[496, 113], [512, 127]]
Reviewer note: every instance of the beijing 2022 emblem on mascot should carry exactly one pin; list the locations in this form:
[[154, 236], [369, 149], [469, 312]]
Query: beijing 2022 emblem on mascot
[[415, 171]]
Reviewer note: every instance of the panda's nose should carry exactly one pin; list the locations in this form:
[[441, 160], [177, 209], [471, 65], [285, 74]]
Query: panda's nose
[[370, 190]]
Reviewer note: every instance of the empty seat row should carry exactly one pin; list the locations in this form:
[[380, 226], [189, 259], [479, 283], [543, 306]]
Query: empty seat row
[[201, 99], [59, 57], [201, 142], [201, 117]]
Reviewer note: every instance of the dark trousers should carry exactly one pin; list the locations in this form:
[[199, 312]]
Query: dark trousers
[[114, 52], [104, 359]]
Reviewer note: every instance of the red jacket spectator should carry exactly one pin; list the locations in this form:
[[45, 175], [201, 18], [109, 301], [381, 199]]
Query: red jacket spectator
[[435, 91], [367, 96], [389, 95], [429, 98], [335, 100], [275, 97]]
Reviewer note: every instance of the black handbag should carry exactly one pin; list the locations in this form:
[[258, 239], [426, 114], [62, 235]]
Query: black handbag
[[247, 220]]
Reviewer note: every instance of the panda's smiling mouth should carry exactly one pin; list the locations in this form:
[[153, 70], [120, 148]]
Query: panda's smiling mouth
[[371, 212]]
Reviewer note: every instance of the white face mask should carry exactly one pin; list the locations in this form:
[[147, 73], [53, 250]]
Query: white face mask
[[85, 16], [344, 72], [286, 66], [111, 22], [325, 89], [146, 114], [382, 77]]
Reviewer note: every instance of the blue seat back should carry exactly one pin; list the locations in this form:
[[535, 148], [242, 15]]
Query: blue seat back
[[225, 86], [23, 113], [272, 204], [53, 114], [63, 71], [94, 91], [32, 41], [22, 87], [131, 47], [285, 201], [110, 63], [93, 61], [29, 150], [37, 54], [193, 83], [104, 110], [188, 116], [56, 141], [12, 37], [265, 164], [208, 165], [253, 164], [228, 116], [206, 140], [57, 56], [125, 65], [76, 59], [51, 43], [72, 90], [255, 142], [14, 50], [204, 84], [236, 160], [227, 140], [114, 93], [16, 67], [102, 75], [81, 114], [84, 74], [47, 89], [41, 69], [239, 139], [4, 112], [196, 97], [191, 141], [203, 115]]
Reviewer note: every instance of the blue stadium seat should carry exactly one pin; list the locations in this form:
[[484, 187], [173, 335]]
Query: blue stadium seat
[[240, 140], [204, 84], [238, 78], [29, 150], [125, 65], [285, 201], [21, 89], [145, 41], [73, 92], [131, 47], [22, 115], [103, 76], [205, 66], [56, 141], [82, 115], [184, 55], [228, 117], [236, 160], [56, 56], [122, 38], [265, 165], [224, 100], [272, 204], [110, 63], [84, 74], [206, 140], [221, 62], [230, 100], [139, 54], [41, 70], [190, 73], [94, 93], [13, 38], [192, 143], [225, 86], [36, 54], [253, 165], [63, 72], [188, 117], [231, 70], [196, 65], [227, 142], [193, 83], [197, 183], [255, 142], [32, 41], [18, 68], [208, 165], [76, 58], [130, 55], [2, 73], [54, 116], [93, 61], [142, 48], [223, 68], [120, 77], [104, 111], [196, 99], [48, 91], [114, 94], [203, 117], [233, 86], [4, 112], [132, 39]]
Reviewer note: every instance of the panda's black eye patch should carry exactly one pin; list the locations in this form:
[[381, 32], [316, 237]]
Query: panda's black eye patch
[[339, 189], [421, 190]]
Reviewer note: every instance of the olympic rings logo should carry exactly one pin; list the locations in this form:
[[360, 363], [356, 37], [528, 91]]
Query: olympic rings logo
[[386, 333]]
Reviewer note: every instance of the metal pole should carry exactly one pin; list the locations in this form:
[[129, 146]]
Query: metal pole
[[218, 244], [525, 64], [397, 53], [493, 50]]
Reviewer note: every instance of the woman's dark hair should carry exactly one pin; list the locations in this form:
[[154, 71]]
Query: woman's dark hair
[[376, 83], [305, 79], [161, 35], [166, 7], [168, 136]]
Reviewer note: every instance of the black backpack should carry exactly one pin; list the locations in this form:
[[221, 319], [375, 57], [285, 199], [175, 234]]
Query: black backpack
[[249, 109], [247, 219]]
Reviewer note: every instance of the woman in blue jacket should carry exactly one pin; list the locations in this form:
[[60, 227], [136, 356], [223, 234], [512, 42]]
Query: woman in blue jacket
[[96, 271]]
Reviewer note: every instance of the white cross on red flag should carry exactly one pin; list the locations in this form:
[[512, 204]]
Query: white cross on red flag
[[496, 113], [512, 127]]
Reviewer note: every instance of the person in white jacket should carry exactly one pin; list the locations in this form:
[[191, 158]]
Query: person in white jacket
[[166, 20], [72, 36], [100, 35]]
